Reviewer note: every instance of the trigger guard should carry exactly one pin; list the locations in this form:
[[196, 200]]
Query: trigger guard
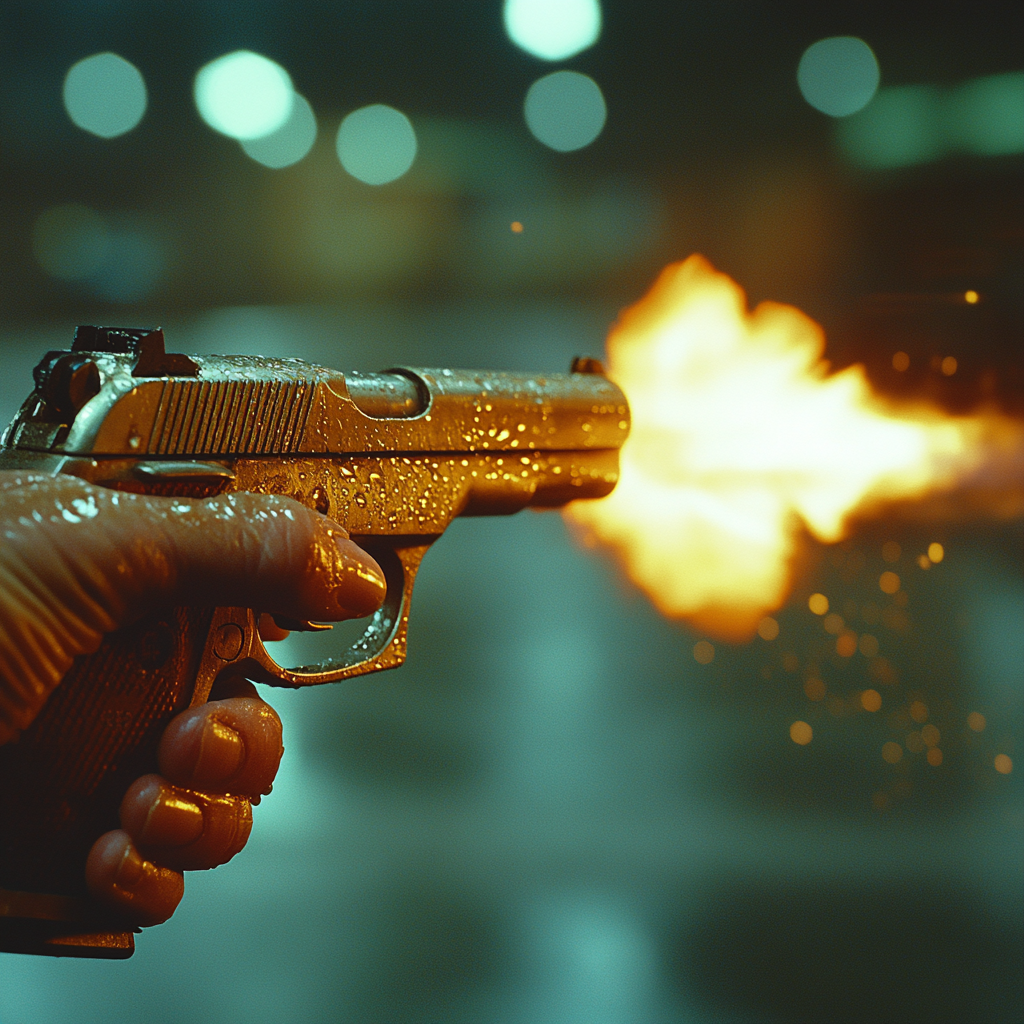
[[235, 646], [299, 625]]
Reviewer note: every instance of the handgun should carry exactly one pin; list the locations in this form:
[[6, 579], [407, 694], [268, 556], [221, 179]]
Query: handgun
[[394, 457]]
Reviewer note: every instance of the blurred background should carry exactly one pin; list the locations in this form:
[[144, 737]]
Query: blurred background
[[555, 812]]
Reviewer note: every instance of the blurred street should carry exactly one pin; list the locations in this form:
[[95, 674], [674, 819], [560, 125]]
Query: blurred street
[[566, 808]]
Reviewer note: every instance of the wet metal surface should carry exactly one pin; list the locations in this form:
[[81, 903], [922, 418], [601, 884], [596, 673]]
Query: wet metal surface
[[553, 812], [393, 457]]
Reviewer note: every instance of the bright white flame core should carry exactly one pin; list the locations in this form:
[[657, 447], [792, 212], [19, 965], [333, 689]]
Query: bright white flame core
[[244, 95]]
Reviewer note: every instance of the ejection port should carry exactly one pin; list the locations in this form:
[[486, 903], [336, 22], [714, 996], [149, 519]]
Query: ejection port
[[387, 396]]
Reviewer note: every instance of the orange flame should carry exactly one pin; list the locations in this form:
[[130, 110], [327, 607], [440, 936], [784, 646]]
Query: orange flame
[[741, 439]]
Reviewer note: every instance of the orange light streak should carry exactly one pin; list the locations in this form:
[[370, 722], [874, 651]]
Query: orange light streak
[[742, 441]]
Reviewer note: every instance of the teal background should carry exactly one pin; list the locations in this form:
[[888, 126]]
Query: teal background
[[552, 814]]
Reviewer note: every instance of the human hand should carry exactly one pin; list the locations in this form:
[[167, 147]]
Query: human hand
[[215, 762], [79, 561]]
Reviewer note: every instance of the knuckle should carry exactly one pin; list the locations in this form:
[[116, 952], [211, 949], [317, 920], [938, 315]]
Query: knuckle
[[227, 823]]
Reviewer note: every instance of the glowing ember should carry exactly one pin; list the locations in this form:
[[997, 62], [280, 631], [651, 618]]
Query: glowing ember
[[741, 439]]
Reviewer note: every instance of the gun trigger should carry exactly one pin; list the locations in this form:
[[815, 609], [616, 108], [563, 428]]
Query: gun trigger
[[300, 625]]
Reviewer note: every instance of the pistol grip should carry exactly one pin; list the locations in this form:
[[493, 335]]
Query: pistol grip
[[62, 780]]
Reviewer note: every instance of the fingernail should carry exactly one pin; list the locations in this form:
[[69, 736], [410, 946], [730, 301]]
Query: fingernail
[[365, 586], [131, 868], [220, 752], [172, 820]]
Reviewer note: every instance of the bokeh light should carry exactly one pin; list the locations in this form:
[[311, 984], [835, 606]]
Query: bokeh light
[[768, 628], [891, 551], [889, 582], [376, 144], [913, 124], [868, 645], [833, 623], [902, 127], [936, 552], [553, 29], [118, 263], [987, 115], [71, 242], [703, 652], [846, 644], [815, 688], [871, 700], [892, 752], [801, 733], [900, 362], [104, 94], [244, 95], [818, 603], [290, 143], [976, 721], [838, 76], [565, 110], [1003, 764]]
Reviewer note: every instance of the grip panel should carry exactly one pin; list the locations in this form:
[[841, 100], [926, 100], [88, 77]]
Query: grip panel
[[62, 781]]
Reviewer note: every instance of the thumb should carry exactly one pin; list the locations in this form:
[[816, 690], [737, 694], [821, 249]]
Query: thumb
[[261, 551]]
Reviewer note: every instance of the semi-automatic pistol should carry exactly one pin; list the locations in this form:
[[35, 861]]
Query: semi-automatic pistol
[[394, 457]]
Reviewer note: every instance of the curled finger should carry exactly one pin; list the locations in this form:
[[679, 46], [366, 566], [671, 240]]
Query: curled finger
[[184, 829], [225, 746], [119, 876]]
